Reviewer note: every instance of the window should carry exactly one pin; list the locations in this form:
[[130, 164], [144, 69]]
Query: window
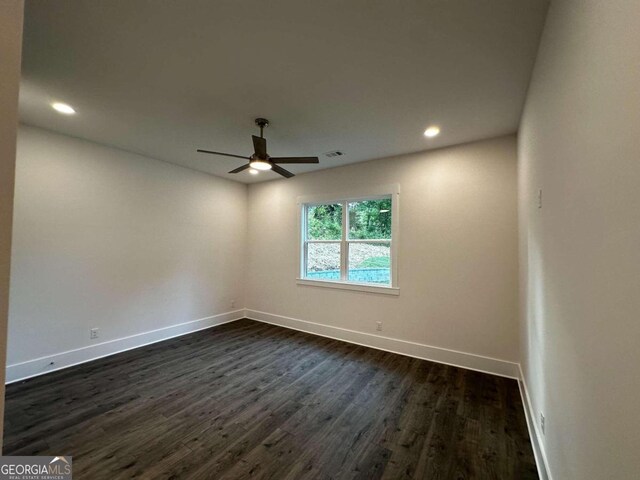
[[349, 243]]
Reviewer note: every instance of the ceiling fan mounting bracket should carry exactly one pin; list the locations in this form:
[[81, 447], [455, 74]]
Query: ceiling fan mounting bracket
[[262, 122]]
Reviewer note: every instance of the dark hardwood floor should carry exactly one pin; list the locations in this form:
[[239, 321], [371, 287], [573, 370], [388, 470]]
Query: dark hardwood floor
[[251, 400]]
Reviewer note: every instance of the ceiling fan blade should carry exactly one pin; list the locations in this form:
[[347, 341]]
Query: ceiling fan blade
[[295, 160], [260, 146], [222, 153], [239, 169], [281, 171]]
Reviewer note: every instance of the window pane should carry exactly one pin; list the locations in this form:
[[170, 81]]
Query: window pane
[[324, 222], [370, 263], [323, 261], [370, 219]]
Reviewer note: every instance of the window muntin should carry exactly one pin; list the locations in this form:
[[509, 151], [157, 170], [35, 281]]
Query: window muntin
[[357, 233]]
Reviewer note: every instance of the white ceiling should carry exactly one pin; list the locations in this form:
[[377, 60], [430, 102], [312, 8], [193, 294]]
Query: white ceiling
[[366, 77]]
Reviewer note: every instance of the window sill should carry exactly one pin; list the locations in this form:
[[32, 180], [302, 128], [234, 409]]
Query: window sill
[[360, 287]]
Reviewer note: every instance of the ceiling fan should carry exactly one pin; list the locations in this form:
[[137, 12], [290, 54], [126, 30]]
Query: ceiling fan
[[260, 160]]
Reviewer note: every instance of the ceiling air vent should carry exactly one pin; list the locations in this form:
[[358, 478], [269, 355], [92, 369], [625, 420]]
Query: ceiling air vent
[[336, 153]]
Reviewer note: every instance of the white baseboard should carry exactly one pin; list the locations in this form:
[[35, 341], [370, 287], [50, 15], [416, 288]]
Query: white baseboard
[[58, 361], [403, 347], [534, 433]]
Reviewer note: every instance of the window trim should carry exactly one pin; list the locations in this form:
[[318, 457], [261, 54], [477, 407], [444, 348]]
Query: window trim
[[373, 193]]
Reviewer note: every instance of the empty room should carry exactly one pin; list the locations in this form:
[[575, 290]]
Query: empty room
[[320, 240]]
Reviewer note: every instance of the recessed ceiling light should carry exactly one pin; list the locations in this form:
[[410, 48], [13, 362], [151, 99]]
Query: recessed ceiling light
[[253, 171], [431, 132], [63, 108]]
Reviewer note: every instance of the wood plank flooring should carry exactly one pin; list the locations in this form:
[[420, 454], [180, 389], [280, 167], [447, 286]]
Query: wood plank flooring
[[252, 400]]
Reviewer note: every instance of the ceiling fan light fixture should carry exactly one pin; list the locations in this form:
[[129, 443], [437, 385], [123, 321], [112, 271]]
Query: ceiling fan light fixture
[[260, 164], [260, 160]]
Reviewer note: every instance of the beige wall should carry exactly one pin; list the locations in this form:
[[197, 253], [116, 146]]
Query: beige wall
[[108, 239], [11, 12], [457, 253], [580, 254]]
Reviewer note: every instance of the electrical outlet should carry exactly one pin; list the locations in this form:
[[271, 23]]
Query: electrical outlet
[[540, 198], [93, 333], [379, 326], [542, 422], [233, 304]]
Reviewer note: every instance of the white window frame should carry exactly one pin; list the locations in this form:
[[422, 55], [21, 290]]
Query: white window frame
[[378, 192]]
